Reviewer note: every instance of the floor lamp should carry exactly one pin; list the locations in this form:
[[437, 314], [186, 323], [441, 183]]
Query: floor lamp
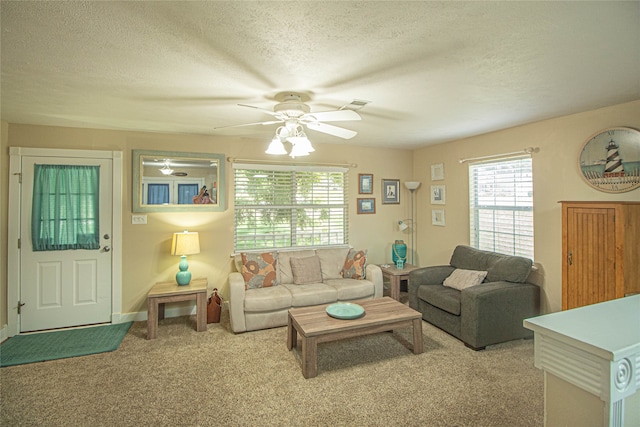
[[412, 186]]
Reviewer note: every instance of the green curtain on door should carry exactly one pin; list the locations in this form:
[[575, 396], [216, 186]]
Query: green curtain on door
[[65, 207]]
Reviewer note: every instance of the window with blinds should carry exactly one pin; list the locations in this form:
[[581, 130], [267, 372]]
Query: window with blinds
[[501, 206], [287, 206]]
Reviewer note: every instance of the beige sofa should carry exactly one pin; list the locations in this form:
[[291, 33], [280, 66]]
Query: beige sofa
[[267, 307]]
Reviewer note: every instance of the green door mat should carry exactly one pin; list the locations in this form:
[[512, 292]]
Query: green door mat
[[40, 347]]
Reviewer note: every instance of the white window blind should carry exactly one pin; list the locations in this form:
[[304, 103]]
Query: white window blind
[[288, 206], [501, 206]]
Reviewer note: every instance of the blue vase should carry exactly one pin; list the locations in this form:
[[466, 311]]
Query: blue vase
[[183, 277], [399, 252]]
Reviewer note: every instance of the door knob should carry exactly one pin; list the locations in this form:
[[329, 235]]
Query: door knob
[[106, 237], [106, 248]]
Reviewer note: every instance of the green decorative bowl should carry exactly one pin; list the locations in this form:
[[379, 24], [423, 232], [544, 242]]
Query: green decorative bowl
[[345, 310]]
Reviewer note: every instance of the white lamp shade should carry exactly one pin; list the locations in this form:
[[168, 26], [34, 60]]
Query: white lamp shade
[[412, 185], [185, 243]]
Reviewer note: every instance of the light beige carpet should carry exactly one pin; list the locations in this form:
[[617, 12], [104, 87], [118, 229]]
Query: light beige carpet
[[216, 378]]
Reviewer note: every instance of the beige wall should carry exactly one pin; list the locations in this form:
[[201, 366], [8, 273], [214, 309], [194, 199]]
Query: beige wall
[[146, 258], [4, 168], [556, 177]]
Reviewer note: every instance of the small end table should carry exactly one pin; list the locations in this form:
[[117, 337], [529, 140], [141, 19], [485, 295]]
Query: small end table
[[396, 276], [164, 292]]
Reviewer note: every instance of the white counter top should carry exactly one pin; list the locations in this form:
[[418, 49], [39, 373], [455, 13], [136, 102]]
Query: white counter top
[[609, 329], [596, 347]]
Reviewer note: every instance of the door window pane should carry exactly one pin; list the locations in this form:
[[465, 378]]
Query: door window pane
[[66, 210]]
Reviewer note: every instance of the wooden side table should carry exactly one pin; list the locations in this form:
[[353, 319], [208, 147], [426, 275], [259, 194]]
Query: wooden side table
[[164, 292], [396, 276]]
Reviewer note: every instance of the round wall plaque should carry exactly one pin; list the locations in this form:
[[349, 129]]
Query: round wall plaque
[[610, 160]]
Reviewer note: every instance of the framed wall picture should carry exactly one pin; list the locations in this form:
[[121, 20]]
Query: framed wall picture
[[437, 217], [390, 191], [437, 172], [365, 183], [437, 194], [610, 160], [366, 205]]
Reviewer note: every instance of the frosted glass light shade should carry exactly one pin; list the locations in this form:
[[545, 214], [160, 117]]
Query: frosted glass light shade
[[412, 185], [302, 142], [298, 150], [276, 147]]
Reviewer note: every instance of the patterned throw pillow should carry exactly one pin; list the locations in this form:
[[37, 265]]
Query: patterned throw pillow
[[259, 270], [354, 265]]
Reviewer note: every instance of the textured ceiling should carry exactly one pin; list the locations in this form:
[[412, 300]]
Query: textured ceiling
[[433, 71]]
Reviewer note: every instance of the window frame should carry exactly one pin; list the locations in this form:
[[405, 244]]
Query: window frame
[[173, 184], [324, 206], [514, 208]]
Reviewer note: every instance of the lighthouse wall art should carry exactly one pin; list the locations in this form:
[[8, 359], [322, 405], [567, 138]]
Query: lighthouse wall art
[[610, 160]]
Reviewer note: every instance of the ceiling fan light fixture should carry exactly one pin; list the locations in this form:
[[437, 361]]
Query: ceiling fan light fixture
[[302, 142], [276, 147], [298, 150], [166, 170]]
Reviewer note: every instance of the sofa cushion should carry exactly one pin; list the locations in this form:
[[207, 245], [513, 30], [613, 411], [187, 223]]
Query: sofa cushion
[[312, 294], [259, 270], [355, 265], [285, 275], [332, 261], [499, 267], [306, 270], [461, 279], [267, 299], [442, 297], [349, 289]]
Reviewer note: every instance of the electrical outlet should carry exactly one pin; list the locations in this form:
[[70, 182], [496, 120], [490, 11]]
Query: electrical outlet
[[138, 219]]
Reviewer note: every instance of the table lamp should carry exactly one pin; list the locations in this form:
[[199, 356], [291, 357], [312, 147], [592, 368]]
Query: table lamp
[[184, 244]]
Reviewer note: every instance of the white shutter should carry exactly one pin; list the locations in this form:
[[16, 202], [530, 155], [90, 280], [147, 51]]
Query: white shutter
[[501, 206], [287, 206]]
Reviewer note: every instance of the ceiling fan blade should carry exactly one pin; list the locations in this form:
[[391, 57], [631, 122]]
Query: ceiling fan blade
[[250, 124], [332, 130], [264, 110], [332, 116]]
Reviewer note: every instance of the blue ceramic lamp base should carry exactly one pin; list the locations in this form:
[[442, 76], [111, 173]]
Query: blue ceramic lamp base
[[183, 277]]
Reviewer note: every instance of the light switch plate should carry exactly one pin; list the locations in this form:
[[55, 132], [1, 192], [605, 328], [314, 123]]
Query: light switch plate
[[138, 219]]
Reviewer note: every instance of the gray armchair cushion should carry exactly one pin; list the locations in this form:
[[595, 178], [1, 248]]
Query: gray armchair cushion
[[499, 267], [447, 299]]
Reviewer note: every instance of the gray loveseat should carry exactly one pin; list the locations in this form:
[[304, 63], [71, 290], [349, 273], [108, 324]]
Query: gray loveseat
[[489, 313]]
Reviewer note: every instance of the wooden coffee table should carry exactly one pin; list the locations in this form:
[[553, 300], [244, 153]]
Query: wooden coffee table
[[315, 326]]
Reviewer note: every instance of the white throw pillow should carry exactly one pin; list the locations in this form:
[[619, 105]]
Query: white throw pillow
[[461, 279]]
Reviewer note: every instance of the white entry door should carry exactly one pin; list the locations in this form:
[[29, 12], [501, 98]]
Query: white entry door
[[61, 288]]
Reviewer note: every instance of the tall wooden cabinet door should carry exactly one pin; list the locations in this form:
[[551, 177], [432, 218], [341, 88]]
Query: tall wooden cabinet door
[[590, 256]]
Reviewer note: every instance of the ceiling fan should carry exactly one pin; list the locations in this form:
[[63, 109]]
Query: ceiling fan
[[293, 112]]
